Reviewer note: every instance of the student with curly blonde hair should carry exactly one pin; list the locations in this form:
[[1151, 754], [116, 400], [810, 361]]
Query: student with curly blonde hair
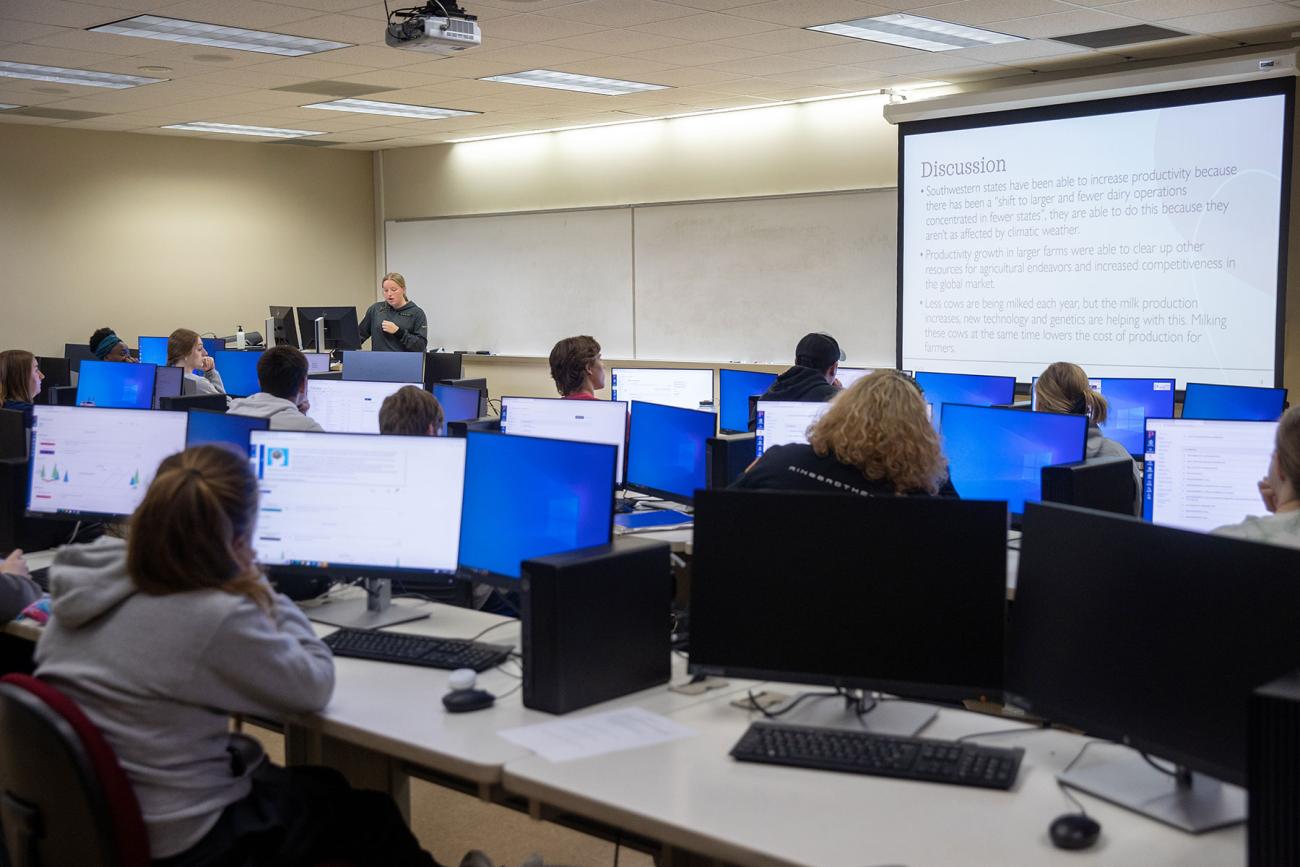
[[874, 440]]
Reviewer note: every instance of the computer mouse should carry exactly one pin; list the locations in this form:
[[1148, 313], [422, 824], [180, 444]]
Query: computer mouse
[[1074, 831], [466, 700]]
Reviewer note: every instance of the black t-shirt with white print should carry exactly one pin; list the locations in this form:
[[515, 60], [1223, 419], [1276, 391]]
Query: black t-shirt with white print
[[797, 467]]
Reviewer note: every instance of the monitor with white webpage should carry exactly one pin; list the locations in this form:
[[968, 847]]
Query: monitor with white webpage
[[349, 407], [587, 421], [781, 422], [334, 503], [687, 388], [92, 462], [1204, 474], [849, 375], [318, 362]]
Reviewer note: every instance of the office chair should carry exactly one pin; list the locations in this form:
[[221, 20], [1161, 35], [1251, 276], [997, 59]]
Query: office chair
[[64, 799]]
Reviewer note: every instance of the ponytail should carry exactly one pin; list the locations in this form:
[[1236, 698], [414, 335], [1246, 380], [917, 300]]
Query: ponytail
[[1063, 387], [194, 529]]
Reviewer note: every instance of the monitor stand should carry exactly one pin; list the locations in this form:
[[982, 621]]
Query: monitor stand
[[888, 717], [1190, 801], [373, 612]]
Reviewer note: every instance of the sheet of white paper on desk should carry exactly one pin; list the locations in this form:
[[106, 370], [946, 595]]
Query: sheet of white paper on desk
[[596, 734]]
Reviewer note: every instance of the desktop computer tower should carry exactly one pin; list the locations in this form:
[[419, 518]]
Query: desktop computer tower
[[1273, 773], [727, 457], [595, 624]]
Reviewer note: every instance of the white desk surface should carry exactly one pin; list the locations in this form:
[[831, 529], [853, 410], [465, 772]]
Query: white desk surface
[[397, 709], [691, 794]]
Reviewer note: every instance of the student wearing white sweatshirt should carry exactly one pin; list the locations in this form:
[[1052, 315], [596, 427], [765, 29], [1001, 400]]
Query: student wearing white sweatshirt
[[1280, 491]]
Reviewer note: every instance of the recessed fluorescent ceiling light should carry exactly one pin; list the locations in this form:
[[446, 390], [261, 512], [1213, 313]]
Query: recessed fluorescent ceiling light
[[87, 77], [913, 31], [396, 109], [198, 33], [239, 129], [569, 81], [5, 106]]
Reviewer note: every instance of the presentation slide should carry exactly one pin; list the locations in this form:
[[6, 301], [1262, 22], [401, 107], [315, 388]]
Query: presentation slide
[[1205, 474], [1133, 243]]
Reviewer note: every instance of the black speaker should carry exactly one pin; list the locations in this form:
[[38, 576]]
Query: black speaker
[[596, 624], [727, 457], [1273, 773]]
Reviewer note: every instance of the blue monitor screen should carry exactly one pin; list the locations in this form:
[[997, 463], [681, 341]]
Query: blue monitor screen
[[384, 366], [736, 387], [206, 427], [116, 385], [977, 390], [238, 371], [666, 449], [458, 404], [153, 350], [213, 345], [1129, 403], [999, 454], [527, 497], [1233, 402]]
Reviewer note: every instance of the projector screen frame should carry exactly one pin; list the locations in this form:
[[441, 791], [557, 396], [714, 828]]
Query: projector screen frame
[[1284, 86]]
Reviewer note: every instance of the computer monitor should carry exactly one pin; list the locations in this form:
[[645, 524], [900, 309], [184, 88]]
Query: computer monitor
[[489, 424], [57, 371], [212, 344], [666, 450], [89, 462], [996, 453], [441, 366], [781, 422], [238, 371], [849, 375], [384, 366], [349, 407], [734, 390], [1153, 637], [1233, 402], [1202, 474], [1129, 403], [340, 327], [331, 503], [187, 402], [1105, 484], [76, 353], [153, 350], [167, 382], [286, 329], [458, 404], [588, 421], [912, 618], [114, 384], [967, 388], [317, 362], [688, 388], [218, 428], [528, 497]]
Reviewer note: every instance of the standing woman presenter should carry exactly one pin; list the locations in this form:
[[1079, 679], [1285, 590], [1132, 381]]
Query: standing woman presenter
[[395, 324]]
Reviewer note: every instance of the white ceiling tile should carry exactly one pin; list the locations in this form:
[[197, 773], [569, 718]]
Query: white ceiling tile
[[753, 86], [1156, 10], [103, 43], [373, 56], [61, 13], [625, 68], [133, 5], [765, 64], [533, 56], [857, 51], [1238, 19], [807, 13], [331, 5], [714, 5], [338, 28], [1062, 24], [981, 12], [923, 63], [788, 40], [308, 68], [693, 76], [467, 66], [707, 26], [618, 13], [12, 30], [251, 14], [1010, 51], [46, 55], [537, 28], [394, 79], [618, 42], [843, 77], [698, 54]]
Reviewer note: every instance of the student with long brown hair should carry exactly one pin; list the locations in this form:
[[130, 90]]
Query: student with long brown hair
[[159, 638], [20, 382], [875, 440], [185, 350], [1280, 491]]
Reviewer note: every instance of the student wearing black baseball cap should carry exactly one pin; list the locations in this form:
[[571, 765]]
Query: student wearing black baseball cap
[[812, 379]]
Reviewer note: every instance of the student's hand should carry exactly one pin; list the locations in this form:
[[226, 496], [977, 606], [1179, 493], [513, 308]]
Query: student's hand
[[1268, 495], [389, 326], [208, 364], [14, 564], [303, 405], [836, 382]]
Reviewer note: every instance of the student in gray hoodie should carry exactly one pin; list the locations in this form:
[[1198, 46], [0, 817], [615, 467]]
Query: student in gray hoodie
[[161, 637], [1280, 490], [282, 376]]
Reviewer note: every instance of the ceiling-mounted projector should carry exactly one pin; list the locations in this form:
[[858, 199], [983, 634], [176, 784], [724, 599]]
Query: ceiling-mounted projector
[[434, 28]]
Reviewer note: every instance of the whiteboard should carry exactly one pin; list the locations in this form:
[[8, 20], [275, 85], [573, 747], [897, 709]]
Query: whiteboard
[[722, 281], [515, 284]]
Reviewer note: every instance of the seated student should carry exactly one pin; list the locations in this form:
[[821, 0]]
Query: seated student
[[411, 411], [1280, 490], [282, 376], [875, 440], [1063, 388], [577, 368], [20, 382], [107, 346], [186, 351], [160, 637], [17, 589], [812, 379]]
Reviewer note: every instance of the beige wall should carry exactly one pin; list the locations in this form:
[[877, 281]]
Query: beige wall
[[148, 233]]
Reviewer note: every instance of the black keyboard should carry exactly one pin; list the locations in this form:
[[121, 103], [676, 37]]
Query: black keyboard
[[426, 650], [854, 752]]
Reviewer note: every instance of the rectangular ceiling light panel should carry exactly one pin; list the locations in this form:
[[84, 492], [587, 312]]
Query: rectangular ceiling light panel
[[60, 75], [239, 129], [570, 81], [395, 109], [913, 31], [217, 36]]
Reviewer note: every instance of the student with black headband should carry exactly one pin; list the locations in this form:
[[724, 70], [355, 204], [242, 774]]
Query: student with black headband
[[107, 346]]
